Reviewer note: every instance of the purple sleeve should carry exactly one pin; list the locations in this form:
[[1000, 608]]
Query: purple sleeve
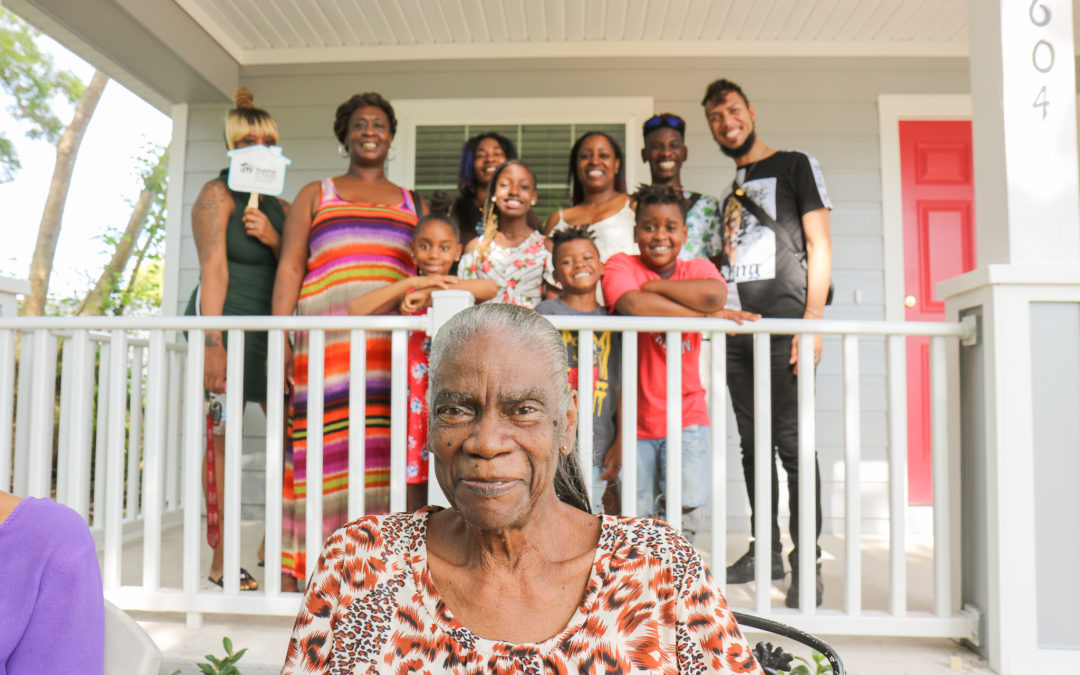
[[66, 630]]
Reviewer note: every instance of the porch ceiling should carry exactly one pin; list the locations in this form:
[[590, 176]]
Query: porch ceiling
[[258, 32], [197, 51]]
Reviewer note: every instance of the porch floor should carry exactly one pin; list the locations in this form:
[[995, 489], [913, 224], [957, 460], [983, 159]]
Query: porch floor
[[266, 637]]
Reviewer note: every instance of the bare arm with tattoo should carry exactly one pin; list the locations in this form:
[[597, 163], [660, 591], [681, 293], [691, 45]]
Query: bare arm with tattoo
[[209, 218]]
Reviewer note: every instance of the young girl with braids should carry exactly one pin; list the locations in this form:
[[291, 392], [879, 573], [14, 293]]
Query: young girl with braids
[[436, 246], [510, 253]]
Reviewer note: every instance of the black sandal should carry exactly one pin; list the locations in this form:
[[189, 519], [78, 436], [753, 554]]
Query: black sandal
[[245, 580]]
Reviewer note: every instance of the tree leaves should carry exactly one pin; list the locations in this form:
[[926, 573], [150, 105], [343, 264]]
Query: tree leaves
[[31, 78]]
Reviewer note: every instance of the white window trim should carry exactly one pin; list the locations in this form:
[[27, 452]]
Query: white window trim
[[477, 112]]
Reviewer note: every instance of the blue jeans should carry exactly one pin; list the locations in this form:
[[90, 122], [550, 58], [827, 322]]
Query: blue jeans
[[652, 470]]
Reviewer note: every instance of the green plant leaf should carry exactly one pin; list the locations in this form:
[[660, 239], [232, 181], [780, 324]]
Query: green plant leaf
[[207, 670], [228, 645]]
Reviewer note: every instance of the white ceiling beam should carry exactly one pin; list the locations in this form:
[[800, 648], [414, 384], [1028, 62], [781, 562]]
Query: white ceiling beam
[[530, 50], [152, 47]]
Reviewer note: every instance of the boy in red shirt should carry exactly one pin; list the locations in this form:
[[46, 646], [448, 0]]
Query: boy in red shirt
[[657, 283]]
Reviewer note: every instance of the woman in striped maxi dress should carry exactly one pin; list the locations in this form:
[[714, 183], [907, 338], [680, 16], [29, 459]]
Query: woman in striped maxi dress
[[345, 236]]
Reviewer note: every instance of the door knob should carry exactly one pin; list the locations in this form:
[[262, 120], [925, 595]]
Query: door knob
[[909, 301]]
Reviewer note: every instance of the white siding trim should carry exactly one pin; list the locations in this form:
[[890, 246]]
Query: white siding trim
[[634, 110], [174, 205], [891, 110]]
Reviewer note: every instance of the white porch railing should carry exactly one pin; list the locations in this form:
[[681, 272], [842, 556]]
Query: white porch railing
[[150, 435]]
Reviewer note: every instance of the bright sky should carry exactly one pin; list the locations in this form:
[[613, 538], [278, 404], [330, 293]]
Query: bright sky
[[103, 187]]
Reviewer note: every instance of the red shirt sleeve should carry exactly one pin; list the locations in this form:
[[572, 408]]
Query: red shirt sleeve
[[619, 277]]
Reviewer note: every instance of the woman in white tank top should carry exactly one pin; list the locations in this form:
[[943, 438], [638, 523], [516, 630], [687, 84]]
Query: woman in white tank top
[[599, 197]]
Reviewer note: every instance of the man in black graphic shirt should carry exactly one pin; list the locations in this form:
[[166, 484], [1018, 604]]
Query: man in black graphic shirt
[[777, 275]]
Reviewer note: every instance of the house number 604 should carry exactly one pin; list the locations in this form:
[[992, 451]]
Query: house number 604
[[1042, 54]]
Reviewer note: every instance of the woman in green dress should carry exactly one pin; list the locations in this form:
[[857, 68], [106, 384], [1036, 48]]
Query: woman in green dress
[[238, 249]]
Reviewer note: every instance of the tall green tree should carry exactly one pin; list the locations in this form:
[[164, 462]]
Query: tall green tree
[[147, 217], [33, 82], [31, 78]]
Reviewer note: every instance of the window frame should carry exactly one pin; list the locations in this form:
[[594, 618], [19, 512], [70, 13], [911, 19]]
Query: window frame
[[630, 110]]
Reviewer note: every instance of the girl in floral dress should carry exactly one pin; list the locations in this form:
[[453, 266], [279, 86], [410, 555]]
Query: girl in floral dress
[[436, 246], [510, 253]]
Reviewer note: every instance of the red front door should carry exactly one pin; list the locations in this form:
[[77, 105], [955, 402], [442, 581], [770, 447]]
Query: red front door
[[939, 243]]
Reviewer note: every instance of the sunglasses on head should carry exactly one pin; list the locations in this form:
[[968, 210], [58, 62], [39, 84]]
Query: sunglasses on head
[[672, 121]]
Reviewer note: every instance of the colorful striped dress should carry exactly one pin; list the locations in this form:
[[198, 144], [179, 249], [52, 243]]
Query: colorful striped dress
[[353, 248]]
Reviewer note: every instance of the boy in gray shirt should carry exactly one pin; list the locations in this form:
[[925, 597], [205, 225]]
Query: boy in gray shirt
[[578, 270]]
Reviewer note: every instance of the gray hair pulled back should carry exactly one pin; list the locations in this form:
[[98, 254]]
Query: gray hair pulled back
[[525, 329]]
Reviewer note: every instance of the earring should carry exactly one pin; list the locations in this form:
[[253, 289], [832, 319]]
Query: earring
[[343, 151], [532, 203]]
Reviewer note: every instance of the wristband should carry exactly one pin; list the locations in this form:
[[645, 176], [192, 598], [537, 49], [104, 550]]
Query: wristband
[[814, 312]]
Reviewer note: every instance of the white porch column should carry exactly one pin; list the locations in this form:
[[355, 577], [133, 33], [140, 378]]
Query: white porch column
[[1023, 96], [1020, 542]]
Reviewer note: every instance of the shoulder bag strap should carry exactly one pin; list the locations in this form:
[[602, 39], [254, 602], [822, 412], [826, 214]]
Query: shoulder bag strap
[[765, 219]]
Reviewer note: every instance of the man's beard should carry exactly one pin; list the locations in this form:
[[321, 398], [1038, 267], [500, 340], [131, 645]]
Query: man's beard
[[747, 145]]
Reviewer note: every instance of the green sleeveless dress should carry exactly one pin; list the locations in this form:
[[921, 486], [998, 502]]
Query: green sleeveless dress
[[252, 266]]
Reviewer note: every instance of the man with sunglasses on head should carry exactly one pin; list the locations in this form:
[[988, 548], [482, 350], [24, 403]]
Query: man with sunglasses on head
[[665, 152], [777, 260]]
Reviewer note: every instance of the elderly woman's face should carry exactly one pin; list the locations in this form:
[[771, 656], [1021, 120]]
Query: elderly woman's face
[[497, 430]]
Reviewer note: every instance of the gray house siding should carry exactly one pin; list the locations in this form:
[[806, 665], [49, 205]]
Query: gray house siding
[[825, 106]]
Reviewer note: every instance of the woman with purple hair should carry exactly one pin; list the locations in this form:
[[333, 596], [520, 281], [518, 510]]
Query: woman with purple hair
[[480, 156]]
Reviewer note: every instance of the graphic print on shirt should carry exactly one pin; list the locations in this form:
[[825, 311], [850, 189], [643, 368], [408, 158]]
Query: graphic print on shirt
[[601, 359], [751, 245]]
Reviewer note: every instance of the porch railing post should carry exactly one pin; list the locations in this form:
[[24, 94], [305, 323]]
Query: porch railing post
[[629, 365], [194, 436], [7, 403], [763, 468], [807, 543], [43, 395], [585, 393], [134, 449], [939, 457], [673, 453], [173, 431], [153, 492], [897, 374], [399, 401], [234, 439], [313, 535], [852, 479], [718, 436], [114, 498], [444, 304], [101, 478], [77, 417], [63, 431], [358, 424], [275, 456], [22, 412]]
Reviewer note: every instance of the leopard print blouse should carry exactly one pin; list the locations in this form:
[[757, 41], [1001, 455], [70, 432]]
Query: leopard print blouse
[[649, 606]]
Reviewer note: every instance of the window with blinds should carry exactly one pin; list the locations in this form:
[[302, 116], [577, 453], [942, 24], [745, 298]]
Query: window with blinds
[[544, 147]]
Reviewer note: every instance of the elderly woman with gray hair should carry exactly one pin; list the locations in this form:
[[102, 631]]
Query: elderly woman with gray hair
[[517, 575]]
